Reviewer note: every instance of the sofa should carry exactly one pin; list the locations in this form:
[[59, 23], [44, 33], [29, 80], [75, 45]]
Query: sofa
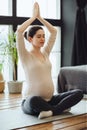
[[72, 77]]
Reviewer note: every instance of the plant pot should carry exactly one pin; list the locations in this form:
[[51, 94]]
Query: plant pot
[[1, 77], [15, 86], [2, 86]]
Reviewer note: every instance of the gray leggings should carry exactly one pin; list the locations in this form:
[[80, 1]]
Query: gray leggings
[[57, 104]]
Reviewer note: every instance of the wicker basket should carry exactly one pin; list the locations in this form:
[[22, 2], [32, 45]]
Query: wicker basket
[[15, 86], [2, 86]]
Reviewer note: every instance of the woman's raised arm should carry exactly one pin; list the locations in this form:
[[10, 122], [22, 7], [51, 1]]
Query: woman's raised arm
[[20, 33]]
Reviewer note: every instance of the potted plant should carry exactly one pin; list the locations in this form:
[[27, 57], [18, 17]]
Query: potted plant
[[14, 86], [10, 52]]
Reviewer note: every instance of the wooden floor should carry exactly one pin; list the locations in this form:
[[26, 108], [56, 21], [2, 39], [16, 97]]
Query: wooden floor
[[12, 101]]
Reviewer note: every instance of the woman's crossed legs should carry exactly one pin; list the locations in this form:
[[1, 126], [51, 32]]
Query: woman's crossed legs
[[59, 103]]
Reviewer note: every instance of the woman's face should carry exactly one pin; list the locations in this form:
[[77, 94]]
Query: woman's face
[[38, 39]]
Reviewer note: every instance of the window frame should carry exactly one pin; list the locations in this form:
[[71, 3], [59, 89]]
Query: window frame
[[14, 20]]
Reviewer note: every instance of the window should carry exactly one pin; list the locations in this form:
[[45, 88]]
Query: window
[[47, 8], [13, 17], [7, 65], [6, 8]]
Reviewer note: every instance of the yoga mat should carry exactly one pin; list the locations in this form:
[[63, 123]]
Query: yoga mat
[[15, 118]]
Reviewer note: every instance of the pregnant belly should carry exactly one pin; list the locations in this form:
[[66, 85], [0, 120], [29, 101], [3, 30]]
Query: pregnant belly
[[45, 91]]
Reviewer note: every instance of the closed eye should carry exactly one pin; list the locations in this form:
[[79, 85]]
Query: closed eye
[[39, 36]]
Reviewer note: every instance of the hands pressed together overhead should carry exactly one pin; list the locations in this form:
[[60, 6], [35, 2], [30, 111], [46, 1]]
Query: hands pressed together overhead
[[36, 10]]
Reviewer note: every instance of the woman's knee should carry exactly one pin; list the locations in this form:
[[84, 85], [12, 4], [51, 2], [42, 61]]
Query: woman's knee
[[24, 108], [29, 104], [79, 93]]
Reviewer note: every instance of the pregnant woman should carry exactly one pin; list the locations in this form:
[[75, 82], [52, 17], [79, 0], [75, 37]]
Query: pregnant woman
[[39, 97]]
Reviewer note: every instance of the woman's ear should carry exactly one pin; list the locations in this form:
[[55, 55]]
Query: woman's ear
[[30, 39]]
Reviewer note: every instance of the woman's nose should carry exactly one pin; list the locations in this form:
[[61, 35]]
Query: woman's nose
[[42, 38]]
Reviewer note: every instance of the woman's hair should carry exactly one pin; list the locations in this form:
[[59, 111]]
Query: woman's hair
[[32, 31]]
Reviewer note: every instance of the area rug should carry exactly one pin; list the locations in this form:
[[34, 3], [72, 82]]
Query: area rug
[[15, 118]]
